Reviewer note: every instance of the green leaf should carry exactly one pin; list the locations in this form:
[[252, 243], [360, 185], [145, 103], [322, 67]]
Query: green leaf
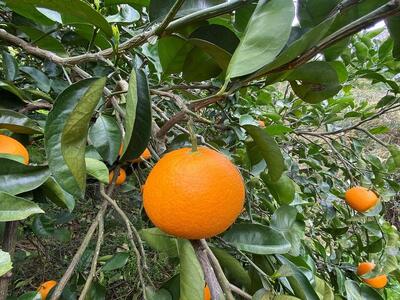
[[315, 81], [191, 275], [57, 195], [118, 261], [257, 239], [11, 96], [17, 178], [199, 66], [323, 289], [106, 137], [138, 116], [71, 12], [379, 130], [277, 129], [40, 39], [386, 100], [283, 190], [361, 51], [41, 79], [130, 2], [313, 12], [13, 208], [5, 262], [97, 169], [172, 51], [159, 241], [96, 292], [355, 292], [10, 66], [393, 25], [232, 268], [30, 296], [284, 221], [18, 123], [260, 47], [66, 133], [395, 152], [161, 294], [269, 150], [126, 14]]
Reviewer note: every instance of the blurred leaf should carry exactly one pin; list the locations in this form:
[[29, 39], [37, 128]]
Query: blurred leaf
[[66, 133], [57, 195], [96, 292], [17, 178], [386, 100], [118, 261], [161, 294], [283, 190], [159, 241], [5, 262], [393, 25], [10, 66], [323, 289], [126, 14], [11, 96], [138, 118], [313, 12], [269, 150], [42, 81], [30, 296], [355, 292], [277, 129], [257, 239], [130, 2], [14, 208], [18, 123], [200, 66], [395, 152], [97, 169], [172, 51], [191, 275], [379, 130]]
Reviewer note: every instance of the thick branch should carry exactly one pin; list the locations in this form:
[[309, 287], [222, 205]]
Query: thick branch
[[8, 245]]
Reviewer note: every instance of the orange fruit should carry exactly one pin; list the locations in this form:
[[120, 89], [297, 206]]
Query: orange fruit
[[207, 293], [261, 123], [377, 282], [194, 195], [360, 198], [145, 155], [8, 145], [120, 179], [45, 288]]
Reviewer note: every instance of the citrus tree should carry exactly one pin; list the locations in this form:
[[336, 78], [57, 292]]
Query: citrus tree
[[227, 137]]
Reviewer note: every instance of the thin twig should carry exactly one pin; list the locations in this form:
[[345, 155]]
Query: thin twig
[[169, 17], [240, 292]]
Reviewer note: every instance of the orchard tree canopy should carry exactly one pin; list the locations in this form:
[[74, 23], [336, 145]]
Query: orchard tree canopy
[[298, 101]]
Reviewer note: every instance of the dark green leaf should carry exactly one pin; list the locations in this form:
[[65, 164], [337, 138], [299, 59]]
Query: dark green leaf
[[30, 296], [18, 123], [42, 81], [277, 129], [159, 241], [393, 25], [106, 137], [315, 81], [138, 116], [395, 152], [269, 150], [66, 133], [48, 12], [191, 274], [11, 96], [260, 47], [116, 262], [10, 66], [172, 51], [257, 239], [57, 195], [14, 208], [130, 2], [96, 292], [313, 12], [200, 66], [126, 14], [17, 178]]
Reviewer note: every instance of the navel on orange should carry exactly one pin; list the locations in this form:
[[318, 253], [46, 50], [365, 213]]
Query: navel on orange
[[194, 195], [120, 179], [45, 288], [360, 198], [8, 145], [378, 282]]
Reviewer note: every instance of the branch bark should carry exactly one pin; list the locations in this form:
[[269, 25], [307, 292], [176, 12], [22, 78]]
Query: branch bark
[[8, 245]]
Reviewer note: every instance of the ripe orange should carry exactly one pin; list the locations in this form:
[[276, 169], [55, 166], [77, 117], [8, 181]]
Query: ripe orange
[[261, 123], [145, 155], [378, 282], [8, 145], [207, 293], [120, 179], [45, 288], [194, 195], [360, 198]]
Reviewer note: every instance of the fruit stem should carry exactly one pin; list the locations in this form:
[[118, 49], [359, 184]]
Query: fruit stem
[[193, 137]]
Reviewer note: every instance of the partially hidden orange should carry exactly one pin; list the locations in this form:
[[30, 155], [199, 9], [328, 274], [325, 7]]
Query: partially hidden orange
[[145, 155], [45, 288], [207, 293], [378, 282], [261, 123], [120, 179], [360, 198], [11, 146], [194, 195]]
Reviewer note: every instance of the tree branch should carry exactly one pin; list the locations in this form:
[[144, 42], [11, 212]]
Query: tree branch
[[169, 17], [8, 245]]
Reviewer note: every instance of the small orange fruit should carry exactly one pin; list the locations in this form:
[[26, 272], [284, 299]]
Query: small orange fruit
[[194, 195], [261, 123], [45, 288], [8, 145], [120, 179], [145, 155], [207, 293], [360, 198], [377, 282]]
